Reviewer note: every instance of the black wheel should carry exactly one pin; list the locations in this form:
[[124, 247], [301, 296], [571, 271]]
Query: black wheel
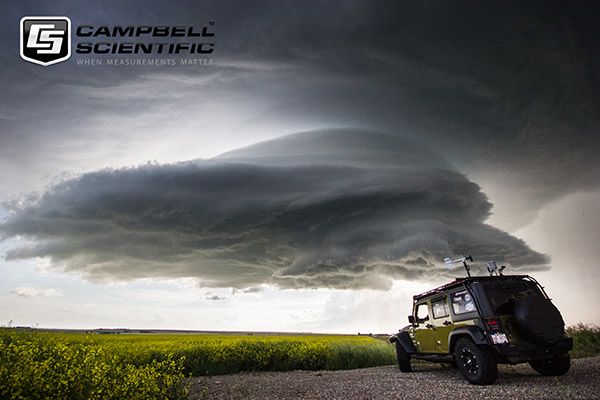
[[403, 358], [477, 364], [554, 366]]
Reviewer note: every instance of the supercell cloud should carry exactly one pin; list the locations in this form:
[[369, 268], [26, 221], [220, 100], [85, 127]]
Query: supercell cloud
[[333, 208]]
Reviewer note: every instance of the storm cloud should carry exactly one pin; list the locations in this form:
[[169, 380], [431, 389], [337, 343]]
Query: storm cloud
[[332, 208], [509, 90]]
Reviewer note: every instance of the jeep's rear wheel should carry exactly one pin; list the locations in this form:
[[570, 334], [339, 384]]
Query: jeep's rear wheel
[[403, 358], [553, 366], [477, 364]]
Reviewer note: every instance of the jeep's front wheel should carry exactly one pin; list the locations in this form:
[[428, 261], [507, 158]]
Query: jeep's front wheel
[[554, 366], [477, 364], [403, 358]]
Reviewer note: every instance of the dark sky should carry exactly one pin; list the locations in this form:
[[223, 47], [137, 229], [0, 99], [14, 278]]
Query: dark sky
[[411, 115]]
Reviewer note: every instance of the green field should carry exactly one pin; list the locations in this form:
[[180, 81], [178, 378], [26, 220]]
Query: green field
[[586, 340], [37, 365], [42, 365]]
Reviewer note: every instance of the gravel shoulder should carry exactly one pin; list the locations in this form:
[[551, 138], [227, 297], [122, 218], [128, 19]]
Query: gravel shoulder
[[427, 381]]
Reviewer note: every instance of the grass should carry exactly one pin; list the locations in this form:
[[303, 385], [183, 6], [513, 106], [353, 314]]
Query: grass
[[586, 340], [40, 365], [37, 365]]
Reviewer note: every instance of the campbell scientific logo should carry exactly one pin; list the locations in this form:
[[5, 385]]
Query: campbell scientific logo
[[45, 40], [48, 40]]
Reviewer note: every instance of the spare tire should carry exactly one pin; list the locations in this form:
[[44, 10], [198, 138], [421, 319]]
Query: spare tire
[[539, 320]]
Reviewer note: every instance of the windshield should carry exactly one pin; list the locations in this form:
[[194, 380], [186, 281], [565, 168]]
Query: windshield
[[503, 295]]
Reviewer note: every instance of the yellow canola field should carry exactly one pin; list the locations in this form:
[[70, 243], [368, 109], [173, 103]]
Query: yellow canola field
[[35, 365]]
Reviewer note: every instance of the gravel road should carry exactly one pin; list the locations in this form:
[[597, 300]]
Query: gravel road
[[429, 381]]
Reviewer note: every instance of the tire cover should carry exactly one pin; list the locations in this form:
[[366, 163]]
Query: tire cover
[[539, 319]]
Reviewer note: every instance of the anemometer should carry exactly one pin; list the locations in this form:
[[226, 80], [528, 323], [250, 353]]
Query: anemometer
[[492, 268]]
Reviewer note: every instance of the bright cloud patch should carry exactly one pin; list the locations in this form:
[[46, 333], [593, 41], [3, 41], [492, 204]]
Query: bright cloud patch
[[25, 291]]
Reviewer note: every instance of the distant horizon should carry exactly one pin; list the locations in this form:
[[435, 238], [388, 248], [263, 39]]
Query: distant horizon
[[191, 331]]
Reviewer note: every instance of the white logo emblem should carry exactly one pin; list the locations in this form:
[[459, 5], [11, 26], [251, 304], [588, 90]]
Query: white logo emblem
[[45, 40]]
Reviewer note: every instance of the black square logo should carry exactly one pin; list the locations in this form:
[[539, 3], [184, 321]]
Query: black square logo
[[45, 40]]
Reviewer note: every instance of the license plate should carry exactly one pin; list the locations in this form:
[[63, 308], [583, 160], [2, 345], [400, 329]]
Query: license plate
[[499, 338]]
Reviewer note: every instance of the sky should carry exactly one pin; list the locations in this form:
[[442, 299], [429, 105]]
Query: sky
[[313, 177]]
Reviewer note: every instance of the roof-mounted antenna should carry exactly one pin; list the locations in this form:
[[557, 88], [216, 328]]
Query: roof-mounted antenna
[[493, 269], [463, 260]]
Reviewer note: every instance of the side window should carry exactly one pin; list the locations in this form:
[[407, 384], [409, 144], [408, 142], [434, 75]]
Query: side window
[[422, 313], [440, 308], [462, 302]]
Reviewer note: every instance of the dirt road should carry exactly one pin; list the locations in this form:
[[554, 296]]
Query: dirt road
[[429, 381]]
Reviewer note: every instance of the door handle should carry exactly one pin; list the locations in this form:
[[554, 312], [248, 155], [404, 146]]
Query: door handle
[[429, 326], [446, 323]]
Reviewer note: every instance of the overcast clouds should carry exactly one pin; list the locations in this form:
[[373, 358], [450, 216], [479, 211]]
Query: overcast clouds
[[341, 217], [492, 111]]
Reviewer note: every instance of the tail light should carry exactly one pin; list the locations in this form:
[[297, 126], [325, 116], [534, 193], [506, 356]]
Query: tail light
[[497, 335], [494, 324]]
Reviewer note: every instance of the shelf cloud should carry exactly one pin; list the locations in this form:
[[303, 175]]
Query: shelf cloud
[[341, 208]]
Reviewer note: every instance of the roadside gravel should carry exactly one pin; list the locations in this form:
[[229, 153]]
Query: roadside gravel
[[429, 381]]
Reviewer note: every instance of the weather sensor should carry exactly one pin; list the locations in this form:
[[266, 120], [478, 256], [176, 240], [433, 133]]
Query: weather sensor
[[493, 269], [449, 261]]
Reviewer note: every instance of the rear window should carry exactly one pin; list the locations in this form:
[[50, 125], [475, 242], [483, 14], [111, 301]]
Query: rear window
[[462, 302], [502, 296]]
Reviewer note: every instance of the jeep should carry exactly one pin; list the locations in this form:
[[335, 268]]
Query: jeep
[[477, 322]]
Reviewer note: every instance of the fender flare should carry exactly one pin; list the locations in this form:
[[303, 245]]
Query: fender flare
[[473, 332], [403, 339]]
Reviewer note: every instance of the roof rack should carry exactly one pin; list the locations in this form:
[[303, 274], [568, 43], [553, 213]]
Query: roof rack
[[459, 281]]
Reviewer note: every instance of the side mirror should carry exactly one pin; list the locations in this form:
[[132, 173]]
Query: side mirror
[[411, 319]]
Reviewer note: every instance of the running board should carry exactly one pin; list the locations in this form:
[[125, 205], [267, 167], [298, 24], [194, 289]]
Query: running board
[[445, 358]]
